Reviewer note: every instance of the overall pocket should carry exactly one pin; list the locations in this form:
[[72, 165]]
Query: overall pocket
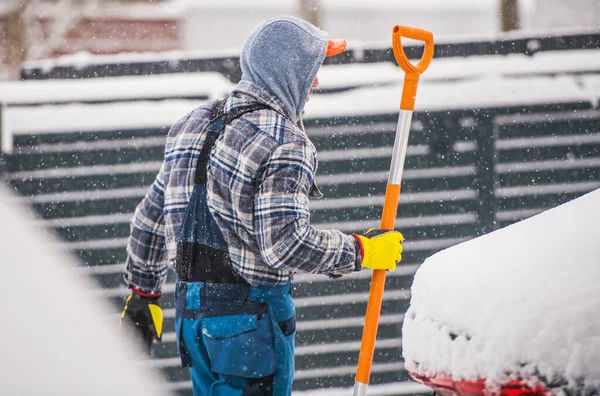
[[288, 326], [240, 345]]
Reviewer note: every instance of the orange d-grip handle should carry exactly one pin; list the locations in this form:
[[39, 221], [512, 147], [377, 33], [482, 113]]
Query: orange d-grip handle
[[413, 72]]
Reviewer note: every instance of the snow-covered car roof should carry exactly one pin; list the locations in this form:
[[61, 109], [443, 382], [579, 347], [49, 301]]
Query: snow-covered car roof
[[521, 302]]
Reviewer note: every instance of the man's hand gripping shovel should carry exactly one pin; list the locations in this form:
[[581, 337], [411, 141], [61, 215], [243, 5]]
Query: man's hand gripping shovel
[[392, 193]]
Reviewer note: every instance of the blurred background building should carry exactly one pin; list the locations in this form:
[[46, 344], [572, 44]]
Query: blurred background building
[[39, 29]]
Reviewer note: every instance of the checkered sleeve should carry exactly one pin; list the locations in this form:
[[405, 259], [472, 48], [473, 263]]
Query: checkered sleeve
[[282, 218], [146, 266]]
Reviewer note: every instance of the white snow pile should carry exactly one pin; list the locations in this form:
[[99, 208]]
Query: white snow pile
[[58, 335], [520, 303]]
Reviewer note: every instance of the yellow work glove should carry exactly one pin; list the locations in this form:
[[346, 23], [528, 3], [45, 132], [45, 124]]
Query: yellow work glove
[[381, 249], [143, 314]]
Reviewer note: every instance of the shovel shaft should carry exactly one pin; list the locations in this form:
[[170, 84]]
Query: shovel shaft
[[398, 157], [388, 217], [390, 206]]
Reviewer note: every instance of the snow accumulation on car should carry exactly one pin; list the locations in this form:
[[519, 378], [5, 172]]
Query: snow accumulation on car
[[512, 312]]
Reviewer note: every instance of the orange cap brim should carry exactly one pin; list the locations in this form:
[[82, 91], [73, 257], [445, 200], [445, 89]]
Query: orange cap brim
[[335, 47]]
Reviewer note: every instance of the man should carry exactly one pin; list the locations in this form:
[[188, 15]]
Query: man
[[229, 210]]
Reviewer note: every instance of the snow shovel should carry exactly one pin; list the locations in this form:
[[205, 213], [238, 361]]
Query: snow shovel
[[392, 193]]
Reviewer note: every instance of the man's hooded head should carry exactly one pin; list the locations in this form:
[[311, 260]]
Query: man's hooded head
[[283, 55]]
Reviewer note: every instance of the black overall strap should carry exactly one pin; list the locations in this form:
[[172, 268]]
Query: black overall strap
[[198, 261], [219, 119]]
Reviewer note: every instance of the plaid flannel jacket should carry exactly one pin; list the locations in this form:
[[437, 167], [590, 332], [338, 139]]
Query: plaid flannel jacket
[[260, 176]]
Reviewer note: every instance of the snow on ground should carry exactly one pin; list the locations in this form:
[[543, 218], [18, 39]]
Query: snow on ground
[[522, 300], [53, 340]]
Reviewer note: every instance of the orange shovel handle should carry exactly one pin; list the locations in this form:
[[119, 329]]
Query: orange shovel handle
[[409, 91], [412, 71]]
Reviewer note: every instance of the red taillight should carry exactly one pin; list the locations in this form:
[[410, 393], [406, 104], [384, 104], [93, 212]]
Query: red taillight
[[445, 386], [466, 388], [516, 388]]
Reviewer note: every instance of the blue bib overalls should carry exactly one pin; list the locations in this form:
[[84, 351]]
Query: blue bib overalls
[[236, 339]]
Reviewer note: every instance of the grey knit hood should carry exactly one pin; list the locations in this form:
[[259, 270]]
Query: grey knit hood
[[283, 55]]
